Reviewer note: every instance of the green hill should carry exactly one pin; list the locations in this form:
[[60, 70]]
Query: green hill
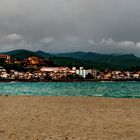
[[44, 54], [22, 54], [87, 60]]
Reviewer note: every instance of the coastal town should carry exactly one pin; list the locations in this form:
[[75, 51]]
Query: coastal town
[[37, 69]]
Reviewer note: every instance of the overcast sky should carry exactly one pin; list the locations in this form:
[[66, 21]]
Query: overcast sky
[[105, 26]]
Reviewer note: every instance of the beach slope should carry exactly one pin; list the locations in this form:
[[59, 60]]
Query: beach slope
[[69, 118]]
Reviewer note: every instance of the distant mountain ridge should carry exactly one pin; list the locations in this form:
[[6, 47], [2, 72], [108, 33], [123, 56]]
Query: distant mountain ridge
[[86, 59], [77, 55], [93, 56]]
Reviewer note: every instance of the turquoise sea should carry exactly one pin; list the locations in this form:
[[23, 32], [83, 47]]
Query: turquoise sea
[[98, 89]]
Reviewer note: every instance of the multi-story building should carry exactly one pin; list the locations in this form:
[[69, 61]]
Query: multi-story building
[[6, 58], [83, 72], [37, 61], [33, 60], [54, 69]]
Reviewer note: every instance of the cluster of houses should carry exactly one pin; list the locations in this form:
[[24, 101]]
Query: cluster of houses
[[33, 60], [118, 75], [45, 73], [65, 73], [60, 73], [15, 75]]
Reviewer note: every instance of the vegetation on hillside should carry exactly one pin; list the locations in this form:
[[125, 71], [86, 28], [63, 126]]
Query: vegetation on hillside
[[87, 60]]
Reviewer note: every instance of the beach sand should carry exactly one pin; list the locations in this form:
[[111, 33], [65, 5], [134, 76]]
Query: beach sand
[[69, 118]]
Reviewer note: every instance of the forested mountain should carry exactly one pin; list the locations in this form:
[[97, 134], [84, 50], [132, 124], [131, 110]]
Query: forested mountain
[[85, 59]]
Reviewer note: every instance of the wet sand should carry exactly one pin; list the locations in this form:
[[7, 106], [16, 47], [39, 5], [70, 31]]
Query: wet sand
[[69, 118]]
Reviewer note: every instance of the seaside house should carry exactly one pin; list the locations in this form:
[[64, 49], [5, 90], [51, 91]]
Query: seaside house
[[136, 76], [5, 58], [108, 76], [54, 69]]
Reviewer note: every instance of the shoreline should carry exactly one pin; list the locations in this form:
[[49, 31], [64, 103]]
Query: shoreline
[[75, 80], [68, 118]]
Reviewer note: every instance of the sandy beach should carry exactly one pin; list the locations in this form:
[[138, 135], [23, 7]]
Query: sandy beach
[[69, 118]]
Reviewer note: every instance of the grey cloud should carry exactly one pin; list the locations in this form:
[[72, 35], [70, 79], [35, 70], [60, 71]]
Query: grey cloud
[[115, 46], [12, 37], [47, 40], [71, 25], [91, 42], [10, 41]]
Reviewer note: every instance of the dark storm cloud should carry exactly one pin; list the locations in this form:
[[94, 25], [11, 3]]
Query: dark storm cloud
[[107, 26]]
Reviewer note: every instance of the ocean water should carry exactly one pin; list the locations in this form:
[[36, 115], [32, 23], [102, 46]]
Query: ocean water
[[97, 89]]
